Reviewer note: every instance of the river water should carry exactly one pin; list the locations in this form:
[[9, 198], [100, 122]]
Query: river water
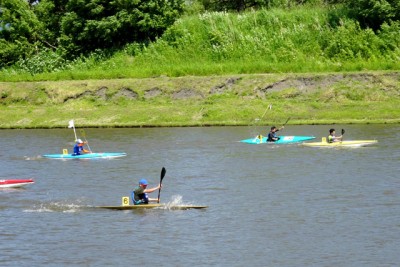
[[268, 205]]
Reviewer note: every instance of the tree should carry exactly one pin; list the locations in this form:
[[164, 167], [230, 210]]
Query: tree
[[19, 29], [233, 5], [241, 5], [97, 24], [373, 13], [50, 13]]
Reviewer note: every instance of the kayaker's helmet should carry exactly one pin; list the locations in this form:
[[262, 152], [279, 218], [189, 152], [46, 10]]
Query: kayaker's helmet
[[331, 131], [143, 182], [79, 141]]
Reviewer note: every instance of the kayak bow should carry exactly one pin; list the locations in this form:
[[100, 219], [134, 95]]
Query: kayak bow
[[15, 183]]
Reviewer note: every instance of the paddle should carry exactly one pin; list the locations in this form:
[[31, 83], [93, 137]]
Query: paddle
[[71, 124], [343, 131], [84, 137], [286, 122], [258, 119], [163, 171]]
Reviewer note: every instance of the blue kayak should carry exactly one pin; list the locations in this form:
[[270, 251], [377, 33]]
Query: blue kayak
[[283, 140], [104, 155]]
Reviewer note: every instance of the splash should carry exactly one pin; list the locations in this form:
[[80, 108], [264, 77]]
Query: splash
[[38, 157], [176, 201], [57, 207]]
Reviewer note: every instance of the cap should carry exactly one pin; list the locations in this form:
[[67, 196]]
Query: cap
[[79, 141], [143, 182]]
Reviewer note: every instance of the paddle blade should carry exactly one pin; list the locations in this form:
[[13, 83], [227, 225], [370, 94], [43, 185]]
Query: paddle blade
[[163, 172], [343, 131]]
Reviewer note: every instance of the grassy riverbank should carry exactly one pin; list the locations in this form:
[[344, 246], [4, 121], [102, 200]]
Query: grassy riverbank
[[331, 98], [322, 69]]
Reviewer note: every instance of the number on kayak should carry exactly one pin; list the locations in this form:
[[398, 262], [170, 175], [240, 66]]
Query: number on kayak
[[125, 201]]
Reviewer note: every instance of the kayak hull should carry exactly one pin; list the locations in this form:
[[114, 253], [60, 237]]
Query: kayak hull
[[86, 156], [152, 206], [15, 183], [354, 143], [282, 140]]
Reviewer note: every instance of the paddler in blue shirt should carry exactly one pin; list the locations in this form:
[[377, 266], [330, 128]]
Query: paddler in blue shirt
[[332, 138], [79, 149], [139, 194], [272, 134]]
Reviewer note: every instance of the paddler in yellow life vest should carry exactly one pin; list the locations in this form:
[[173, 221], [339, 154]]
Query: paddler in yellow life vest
[[332, 138], [139, 194], [79, 149]]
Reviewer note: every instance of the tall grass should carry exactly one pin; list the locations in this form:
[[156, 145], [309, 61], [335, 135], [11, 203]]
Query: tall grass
[[304, 39]]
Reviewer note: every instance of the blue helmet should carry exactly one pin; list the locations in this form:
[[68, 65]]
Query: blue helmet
[[143, 182]]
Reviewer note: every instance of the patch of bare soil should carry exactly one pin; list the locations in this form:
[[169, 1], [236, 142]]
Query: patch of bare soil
[[153, 92], [224, 87], [186, 94], [126, 93]]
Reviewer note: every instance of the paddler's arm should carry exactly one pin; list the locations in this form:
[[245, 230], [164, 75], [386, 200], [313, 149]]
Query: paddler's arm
[[151, 190], [85, 150]]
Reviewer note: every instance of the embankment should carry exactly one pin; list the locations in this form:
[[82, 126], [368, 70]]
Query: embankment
[[329, 98]]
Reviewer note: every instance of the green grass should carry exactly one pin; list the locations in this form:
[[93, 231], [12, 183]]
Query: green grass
[[317, 99], [300, 40]]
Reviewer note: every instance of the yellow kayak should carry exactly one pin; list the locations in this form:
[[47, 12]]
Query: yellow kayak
[[152, 206], [354, 143]]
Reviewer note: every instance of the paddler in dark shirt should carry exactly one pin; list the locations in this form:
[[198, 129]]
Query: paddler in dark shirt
[[272, 134], [139, 194]]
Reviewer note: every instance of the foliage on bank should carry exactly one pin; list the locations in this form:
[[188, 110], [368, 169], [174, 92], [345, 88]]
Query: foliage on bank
[[317, 36], [74, 28]]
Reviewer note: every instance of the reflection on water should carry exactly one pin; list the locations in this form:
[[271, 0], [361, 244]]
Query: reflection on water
[[269, 205]]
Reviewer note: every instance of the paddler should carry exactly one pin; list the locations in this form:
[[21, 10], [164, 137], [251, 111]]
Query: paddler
[[272, 134], [139, 194], [332, 138], [79, 149]]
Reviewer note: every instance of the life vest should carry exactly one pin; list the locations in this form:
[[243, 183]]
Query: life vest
[[140, 198], [270, 137]]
